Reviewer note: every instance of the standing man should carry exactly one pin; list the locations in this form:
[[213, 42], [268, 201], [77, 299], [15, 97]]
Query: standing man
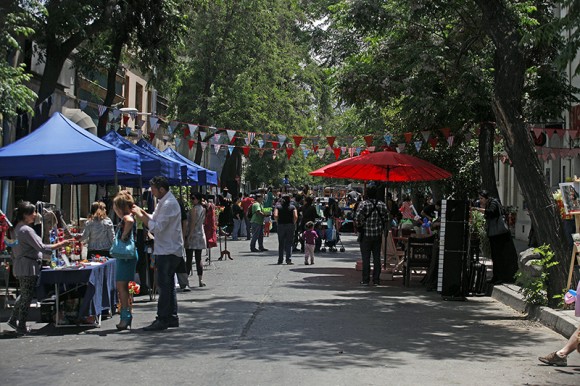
[[370, 219], [165, 224], [257, 220], [246, 204]]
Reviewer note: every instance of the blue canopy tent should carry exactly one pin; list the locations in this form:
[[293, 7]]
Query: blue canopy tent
[[188, 174], [151, 164], [61, 152], [205, 176]]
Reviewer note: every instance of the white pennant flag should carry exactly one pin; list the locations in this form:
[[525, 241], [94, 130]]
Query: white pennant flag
[[450, 140], [192, 130], [153, 121], [231, 135], [231, 149], [305, 152], [247, 141], [251, 137], [203, 145], [261, 143], [116, 113], [281, 139], [202, 134], [216, 147], [102, 110], [418, 145], [401, 147]]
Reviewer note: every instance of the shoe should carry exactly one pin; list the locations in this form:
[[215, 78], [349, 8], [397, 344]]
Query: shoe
[[554, 360], [263, 250], [202, 284], [289, 263], [157, 325], [280, 262], [126, 319], [185, 289], [254, 250], [364, 283], [306, 263], [376, 283], [23, 330], [12, 323], [312, 263], [174, 322]]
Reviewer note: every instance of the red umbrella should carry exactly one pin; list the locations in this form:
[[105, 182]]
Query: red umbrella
[[383, 166]]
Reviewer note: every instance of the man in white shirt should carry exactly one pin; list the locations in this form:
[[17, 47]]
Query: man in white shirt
[[165, 224]]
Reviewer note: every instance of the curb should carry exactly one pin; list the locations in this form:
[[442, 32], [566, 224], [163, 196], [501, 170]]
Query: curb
[[562, 322]]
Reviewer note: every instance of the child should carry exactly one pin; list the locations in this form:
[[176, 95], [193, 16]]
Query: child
[[310, 237]]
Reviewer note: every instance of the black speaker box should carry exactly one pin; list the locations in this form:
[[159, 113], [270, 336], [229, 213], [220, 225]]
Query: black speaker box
[[457, 210]]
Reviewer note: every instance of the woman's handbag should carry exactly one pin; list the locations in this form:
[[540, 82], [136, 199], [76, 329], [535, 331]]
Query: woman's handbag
[[123, 249], [497, 226]]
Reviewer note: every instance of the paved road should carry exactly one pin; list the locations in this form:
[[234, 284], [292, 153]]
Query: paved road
[[258, 323]]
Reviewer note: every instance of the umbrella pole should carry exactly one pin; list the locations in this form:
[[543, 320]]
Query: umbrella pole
[[386, 232]]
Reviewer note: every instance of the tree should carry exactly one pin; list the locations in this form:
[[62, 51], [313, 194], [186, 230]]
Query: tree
[[16, 23]]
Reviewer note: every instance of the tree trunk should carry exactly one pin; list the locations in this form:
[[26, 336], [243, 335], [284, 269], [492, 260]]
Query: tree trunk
[[510, 67]]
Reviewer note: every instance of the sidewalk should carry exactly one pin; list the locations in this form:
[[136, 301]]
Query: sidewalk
[[562, 322]]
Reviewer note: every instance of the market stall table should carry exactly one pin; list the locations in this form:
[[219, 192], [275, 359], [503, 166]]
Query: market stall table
[[100, 293]]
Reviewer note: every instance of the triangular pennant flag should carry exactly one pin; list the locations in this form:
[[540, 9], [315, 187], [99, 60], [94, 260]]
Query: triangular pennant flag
[[261, 143], [102, 110], [83, 105], [125, 119], [274, 154], [305, 152], [203, 145], [315, 141], [450, 140], [349, 139], [371, 149], [560, 133], [177, 141], [231, 136], [433, 142], [315, 148], [250, 138], [336, 152], [266, 137], [139, 123], [289, 152], [321, 153], [247, 141], [369, 140], [418, 145], [408, 137], [133, 115], [351, 152], [330, 140], [537, 131], [426, 134], [231, 148], [116, 113], [342, 149], [358, 150], [275, 144], [190, 143], [186, 132], [192, 130], [297, 139], [400, 147], [281, 139], [446, 131], [246, 150], [151, 136], [127, 130], [202, 135], [216, 147], [153, 121]]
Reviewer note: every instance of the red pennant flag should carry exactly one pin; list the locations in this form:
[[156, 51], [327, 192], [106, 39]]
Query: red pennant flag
[[408, 137], [190, 143], [330, 140], [186, 132], [315, 148], [289, 151], [275, 144], [246, 150], [125, 119], [368, 140], [433, 142], [151, 136], [297, 139], [336, 152], [446, 131]]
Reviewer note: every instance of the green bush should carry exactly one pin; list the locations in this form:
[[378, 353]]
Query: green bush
[[534, 288]]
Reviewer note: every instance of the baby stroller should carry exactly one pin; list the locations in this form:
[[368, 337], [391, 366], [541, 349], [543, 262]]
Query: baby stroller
[[332, 236]]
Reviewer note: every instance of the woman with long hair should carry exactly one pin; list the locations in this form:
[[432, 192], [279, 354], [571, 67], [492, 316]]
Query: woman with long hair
[[286, 216], [195, 240], [125, 266], [98, 231], [27, 259]]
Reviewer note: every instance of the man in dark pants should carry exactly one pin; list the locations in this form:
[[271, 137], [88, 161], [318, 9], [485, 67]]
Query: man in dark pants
[[370, 218], [165, 224]]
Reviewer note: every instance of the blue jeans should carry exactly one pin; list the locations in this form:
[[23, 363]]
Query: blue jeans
[[257, 235], [248, 227], [237, 228], [368, 246], [285, 242], [167, 302]]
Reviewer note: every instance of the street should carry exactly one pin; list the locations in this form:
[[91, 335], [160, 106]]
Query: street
[[258, 323]]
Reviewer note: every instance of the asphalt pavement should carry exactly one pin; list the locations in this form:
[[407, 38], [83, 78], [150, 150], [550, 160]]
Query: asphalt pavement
[[259, 323]]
